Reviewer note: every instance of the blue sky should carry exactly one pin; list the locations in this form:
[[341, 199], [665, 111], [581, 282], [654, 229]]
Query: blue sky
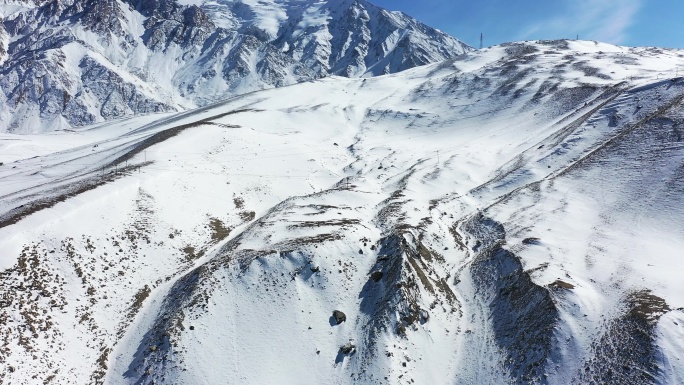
[[624, 22]]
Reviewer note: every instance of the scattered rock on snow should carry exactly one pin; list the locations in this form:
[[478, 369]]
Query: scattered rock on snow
[[558, 284], [424, 316], [339, 316], [348, 348]]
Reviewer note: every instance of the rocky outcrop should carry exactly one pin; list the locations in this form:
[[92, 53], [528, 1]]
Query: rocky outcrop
[[627, 352], [3, 44], [119, 98], [348, 348], [523, 314]]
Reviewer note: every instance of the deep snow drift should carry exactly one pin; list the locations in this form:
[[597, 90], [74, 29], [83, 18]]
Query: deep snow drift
[[513, 216]]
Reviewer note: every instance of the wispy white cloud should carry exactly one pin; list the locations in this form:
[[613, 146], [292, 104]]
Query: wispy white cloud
[[603, 20]]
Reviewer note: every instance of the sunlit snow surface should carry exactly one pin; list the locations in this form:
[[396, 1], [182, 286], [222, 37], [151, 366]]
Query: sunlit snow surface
[[522, 204]]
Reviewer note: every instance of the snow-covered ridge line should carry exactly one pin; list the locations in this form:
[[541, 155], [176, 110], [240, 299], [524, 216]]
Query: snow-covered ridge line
[[109, 163], [513, 216]]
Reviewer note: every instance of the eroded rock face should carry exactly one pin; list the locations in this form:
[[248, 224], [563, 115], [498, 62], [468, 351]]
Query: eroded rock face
[[3, 44], [626, 353], [523, 314]]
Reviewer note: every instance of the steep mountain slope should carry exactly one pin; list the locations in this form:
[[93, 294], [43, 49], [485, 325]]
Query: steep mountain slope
[[71, 63], [511, 217]]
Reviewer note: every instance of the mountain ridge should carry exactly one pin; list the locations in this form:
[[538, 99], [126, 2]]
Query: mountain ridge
[[509, 217], [166, 55]]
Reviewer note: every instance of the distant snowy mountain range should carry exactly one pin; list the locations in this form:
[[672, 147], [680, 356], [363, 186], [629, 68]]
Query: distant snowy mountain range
[[69, 63]]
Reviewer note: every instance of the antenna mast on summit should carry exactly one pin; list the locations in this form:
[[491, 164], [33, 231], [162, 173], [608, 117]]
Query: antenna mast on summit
[[481, 38]]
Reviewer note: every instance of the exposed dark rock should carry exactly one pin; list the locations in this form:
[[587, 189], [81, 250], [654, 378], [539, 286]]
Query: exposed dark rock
[[407, 275], [523, 314], [339, 316], [626, 353], [401, 329], [558, 284], [348, 348], [424, 316]]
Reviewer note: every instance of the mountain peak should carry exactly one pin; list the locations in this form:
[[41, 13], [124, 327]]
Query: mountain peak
[[178, 54]]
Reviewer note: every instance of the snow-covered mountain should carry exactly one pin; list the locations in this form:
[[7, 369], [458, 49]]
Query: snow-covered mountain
[[511, 217], [68, 63]]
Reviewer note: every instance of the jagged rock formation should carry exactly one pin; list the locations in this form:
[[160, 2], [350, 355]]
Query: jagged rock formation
[[75, 62], [523, 314], [3, 44]]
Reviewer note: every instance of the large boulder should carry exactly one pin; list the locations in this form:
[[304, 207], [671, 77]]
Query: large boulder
[[339, 316], [348, 348]]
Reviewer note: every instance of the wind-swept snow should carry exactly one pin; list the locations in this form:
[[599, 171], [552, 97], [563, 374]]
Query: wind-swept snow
[[511, 216]]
